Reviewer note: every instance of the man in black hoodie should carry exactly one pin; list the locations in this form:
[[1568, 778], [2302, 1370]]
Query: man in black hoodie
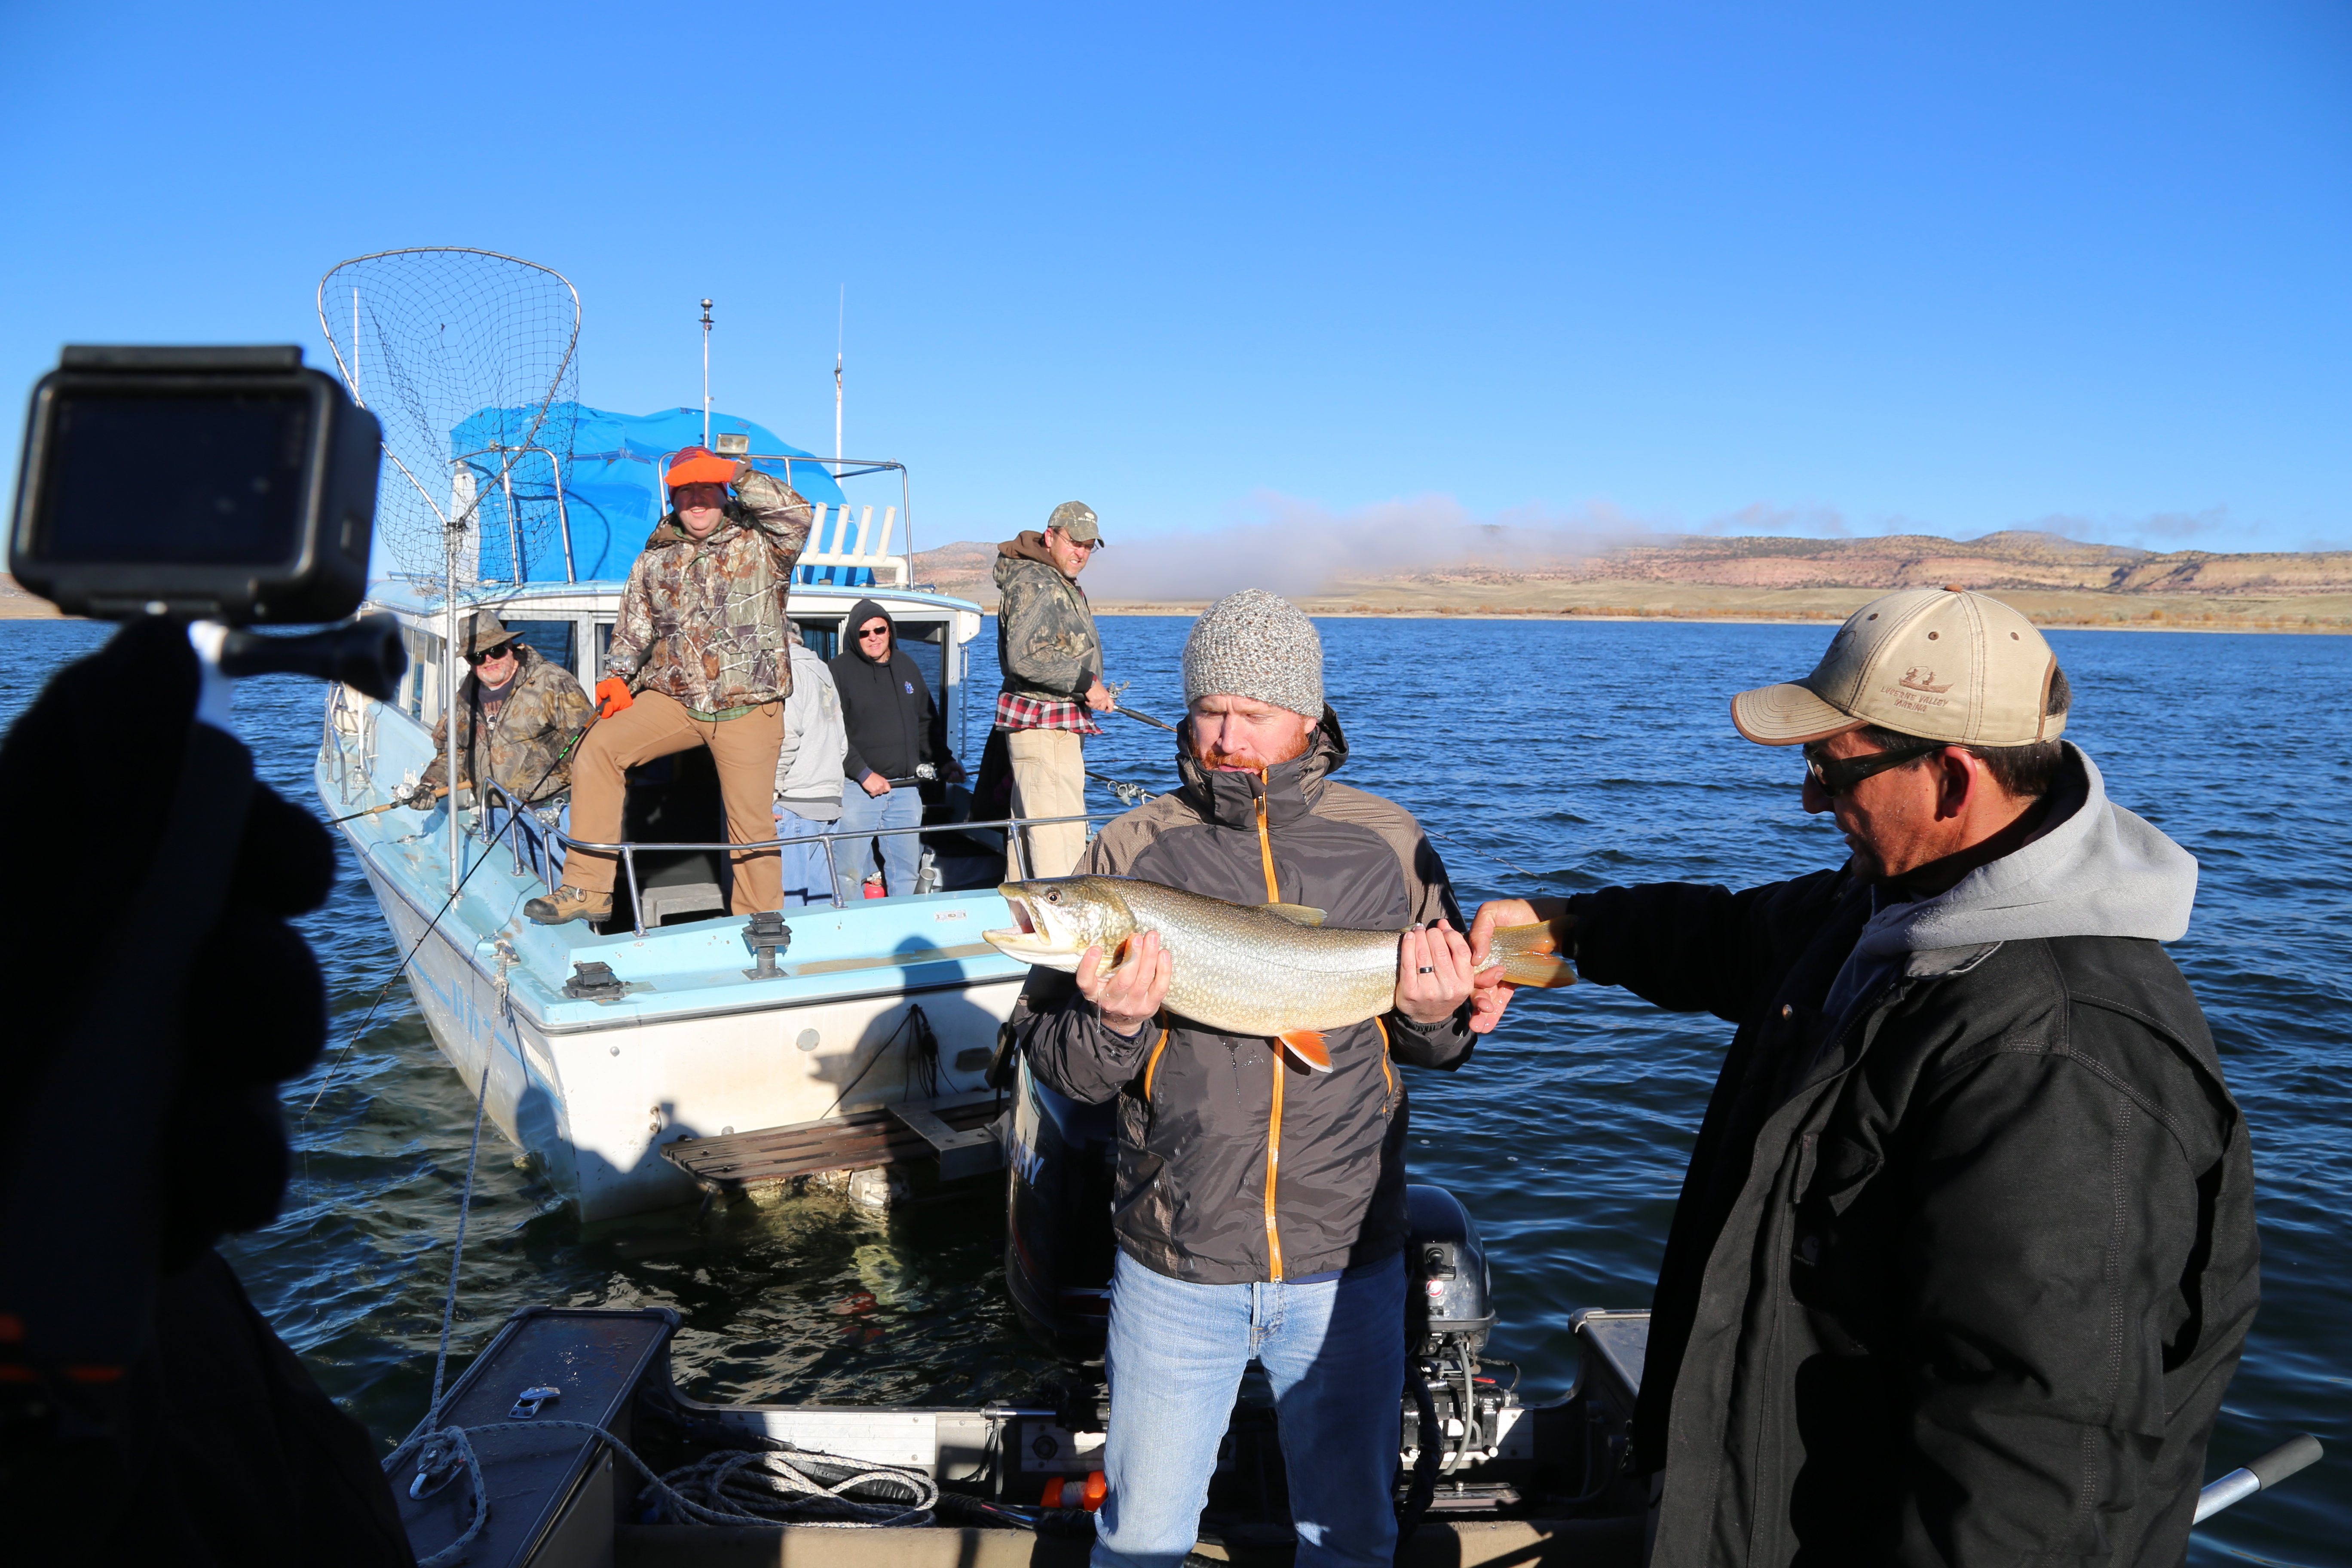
[[893, 727]]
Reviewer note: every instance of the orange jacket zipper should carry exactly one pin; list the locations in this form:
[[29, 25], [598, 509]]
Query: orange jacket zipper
[[1273, 1127]]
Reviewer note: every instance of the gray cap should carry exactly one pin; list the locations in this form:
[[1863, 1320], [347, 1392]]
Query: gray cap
[[1259, 644], [485, 631], [1076, 519]]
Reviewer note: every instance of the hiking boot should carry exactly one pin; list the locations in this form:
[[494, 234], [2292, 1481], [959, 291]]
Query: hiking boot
[[570, 903]]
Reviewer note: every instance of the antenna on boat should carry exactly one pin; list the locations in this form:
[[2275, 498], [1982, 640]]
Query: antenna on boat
[[840, 323], [706, 375]]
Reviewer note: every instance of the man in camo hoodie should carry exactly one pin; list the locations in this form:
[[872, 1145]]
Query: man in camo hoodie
[[699, 658]]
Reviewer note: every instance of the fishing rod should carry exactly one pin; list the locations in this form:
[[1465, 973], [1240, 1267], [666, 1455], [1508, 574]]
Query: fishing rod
[[396, 802], [1145, 718]]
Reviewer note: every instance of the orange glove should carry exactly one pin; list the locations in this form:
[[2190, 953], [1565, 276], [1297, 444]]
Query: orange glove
[[612, 696]]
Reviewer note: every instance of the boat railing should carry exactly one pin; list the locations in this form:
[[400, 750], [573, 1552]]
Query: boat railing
[[1014, 854]]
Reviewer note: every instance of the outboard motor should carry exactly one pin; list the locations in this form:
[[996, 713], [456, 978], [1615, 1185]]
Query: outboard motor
[[1058, 1246], [1448, 1302]]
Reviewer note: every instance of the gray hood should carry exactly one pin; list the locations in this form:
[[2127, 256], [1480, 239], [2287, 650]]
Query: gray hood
[[2096, 869]]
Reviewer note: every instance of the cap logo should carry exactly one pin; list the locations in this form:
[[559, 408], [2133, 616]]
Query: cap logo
[[1919, 680]]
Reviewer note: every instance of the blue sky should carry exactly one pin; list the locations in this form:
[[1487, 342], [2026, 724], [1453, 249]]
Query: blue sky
[[1797, 268]]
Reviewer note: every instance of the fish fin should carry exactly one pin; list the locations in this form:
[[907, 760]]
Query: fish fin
[[1307, 1046], [1296, 914], [1530, 956]]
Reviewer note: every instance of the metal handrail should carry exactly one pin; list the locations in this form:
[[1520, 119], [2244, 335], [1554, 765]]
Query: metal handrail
[[627, 849]]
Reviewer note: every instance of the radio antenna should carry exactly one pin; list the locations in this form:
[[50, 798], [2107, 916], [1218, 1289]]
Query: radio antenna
[[840, 325], [706, 375]]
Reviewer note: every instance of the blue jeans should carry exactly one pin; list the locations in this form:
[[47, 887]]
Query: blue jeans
[[1335, 1354], [806, 881], [854, 857]]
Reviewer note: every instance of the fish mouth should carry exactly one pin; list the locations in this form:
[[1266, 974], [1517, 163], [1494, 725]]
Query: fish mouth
[[1025, 939]]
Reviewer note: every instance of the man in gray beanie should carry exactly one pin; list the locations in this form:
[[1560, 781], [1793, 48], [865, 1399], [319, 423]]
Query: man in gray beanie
[[1260, 1209]]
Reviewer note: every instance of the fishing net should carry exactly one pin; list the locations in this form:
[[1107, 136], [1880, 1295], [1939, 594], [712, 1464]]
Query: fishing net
[[466, 359]]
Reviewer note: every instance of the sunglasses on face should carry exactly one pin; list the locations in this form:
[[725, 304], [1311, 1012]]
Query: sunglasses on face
[[1837, 777], [871, 633], [501, 651]]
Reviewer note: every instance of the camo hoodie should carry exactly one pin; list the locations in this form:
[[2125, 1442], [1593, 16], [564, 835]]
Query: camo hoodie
[[530, 742], [1045, 640], [702, 622]]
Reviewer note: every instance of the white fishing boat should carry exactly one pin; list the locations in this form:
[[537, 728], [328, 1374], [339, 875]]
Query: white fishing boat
[[597, 1052]]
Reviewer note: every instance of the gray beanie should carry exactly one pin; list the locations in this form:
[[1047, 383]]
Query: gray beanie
[[1257, 644]]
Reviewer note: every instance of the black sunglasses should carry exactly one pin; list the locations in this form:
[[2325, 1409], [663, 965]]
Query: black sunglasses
[[874, 632], [1836, 777], [500, 651]]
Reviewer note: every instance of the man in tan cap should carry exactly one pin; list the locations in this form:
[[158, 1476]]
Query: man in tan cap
[[1966, 1254]]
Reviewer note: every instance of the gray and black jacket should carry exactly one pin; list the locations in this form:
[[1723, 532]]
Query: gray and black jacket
[[1201, 1192], [1046, 644], [1966, 1253]]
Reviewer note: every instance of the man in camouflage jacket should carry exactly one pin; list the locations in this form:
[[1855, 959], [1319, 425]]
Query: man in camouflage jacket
[[699, 658], [530, 712], [1052, 658]]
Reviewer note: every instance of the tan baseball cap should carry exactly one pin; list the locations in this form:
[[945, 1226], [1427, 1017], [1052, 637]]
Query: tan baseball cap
[[1943, 664]]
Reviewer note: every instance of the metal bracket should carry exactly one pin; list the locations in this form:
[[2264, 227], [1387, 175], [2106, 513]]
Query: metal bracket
[[766, 936], [527, 1402], [594, 982], [435, 1464]]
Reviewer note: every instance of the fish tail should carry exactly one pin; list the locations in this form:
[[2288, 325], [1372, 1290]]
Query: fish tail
[[1530, 956]]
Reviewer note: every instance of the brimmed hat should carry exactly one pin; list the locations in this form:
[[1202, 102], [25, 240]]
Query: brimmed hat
[[485, 631], [1076, 519], [1943, 664], [699, 466]]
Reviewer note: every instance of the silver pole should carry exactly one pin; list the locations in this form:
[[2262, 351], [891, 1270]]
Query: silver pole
[[449, 712], [514, 524], [706, 375], [840, 324]]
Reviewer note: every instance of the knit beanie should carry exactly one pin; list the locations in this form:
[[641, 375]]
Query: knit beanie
[[1257, 644]]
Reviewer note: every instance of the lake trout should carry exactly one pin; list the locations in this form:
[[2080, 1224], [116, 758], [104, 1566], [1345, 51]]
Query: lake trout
[[1242, 969]]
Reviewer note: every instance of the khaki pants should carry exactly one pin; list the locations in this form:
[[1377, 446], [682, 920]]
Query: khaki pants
[[654, 726], [1049, 779]]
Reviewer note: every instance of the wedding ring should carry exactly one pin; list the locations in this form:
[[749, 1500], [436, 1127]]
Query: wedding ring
[[1428, 969]]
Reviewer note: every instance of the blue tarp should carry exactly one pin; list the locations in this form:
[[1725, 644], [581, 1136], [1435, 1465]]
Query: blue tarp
[[612, 487]]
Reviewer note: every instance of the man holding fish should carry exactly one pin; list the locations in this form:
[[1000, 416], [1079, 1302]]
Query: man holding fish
[[1239, 966]]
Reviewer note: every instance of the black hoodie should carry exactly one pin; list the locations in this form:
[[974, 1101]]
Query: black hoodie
[[886, 705]]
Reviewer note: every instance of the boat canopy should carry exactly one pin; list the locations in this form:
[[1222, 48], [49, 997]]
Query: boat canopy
[[608, 466]]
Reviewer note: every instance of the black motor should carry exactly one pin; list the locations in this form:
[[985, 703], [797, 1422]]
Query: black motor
[[1449, 1301]]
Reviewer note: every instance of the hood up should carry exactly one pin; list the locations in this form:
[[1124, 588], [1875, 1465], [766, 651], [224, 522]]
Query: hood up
[[2094, 870], [1291, 788], [860, 612]]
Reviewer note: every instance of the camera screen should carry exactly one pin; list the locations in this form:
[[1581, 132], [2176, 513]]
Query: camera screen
[[193, 480]]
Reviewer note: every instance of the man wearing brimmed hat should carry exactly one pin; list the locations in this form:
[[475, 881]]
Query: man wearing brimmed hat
[[1052, 659], [699, 658], [1260, 1208], [518, 717], [1965, 1252]]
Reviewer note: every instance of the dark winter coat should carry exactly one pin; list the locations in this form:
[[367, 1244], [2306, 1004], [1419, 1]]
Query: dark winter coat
[[1961, 1279], [886, 706], [1202, 1116]]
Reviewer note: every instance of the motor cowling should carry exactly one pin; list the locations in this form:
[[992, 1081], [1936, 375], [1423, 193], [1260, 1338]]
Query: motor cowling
[[1448, 1295]]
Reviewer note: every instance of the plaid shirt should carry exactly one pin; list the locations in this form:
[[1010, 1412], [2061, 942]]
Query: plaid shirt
[[1015, 712]]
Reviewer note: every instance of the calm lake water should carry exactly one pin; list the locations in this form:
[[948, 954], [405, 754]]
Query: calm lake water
[[1585, 753]]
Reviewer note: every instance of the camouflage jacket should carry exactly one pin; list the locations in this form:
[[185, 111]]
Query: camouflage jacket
[[529, 742], [703, 622], [1045, 640]]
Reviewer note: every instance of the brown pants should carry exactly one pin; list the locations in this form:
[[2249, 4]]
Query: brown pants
[[745, 751]]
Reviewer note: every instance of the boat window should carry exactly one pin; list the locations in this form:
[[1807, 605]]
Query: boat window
[[603, 650], [424, 675], [925, 642], [821, 638], [552, 640]]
